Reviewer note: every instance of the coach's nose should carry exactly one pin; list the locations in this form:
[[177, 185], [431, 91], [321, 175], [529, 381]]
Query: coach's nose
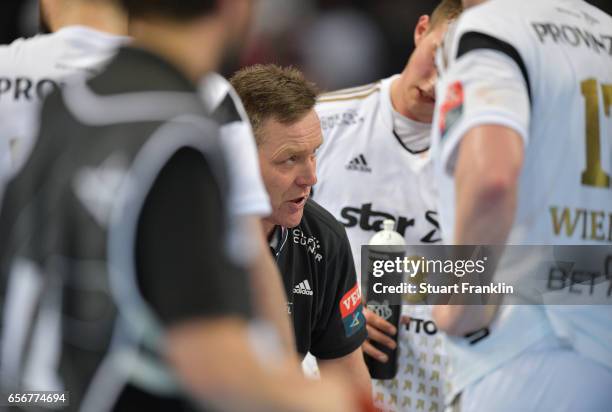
[[308, 173]]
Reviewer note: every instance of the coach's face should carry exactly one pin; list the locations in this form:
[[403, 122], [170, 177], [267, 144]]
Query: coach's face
[[288, 166]]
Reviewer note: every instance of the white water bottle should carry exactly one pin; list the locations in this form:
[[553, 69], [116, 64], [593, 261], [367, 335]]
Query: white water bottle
[[384, 245], [388, 236]]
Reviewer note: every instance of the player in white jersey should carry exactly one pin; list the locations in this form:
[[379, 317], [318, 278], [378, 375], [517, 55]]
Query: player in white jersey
[[85, 35], [523, 155], [374, 165]]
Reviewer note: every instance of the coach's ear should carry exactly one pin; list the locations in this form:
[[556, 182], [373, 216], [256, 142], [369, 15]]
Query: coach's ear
[[421, 29]]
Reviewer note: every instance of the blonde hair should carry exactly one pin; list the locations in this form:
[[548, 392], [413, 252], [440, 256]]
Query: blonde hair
[[445, 11]]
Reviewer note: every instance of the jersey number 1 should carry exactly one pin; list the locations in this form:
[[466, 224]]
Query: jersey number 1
[[594, 175]]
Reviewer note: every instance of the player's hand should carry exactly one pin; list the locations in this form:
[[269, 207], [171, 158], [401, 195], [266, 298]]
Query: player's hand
[[379, 330]]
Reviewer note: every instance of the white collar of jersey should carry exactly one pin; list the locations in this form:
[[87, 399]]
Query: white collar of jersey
[[414, 136]]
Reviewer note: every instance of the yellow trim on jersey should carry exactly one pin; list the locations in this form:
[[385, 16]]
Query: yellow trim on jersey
[[355, 97], [351, 90]]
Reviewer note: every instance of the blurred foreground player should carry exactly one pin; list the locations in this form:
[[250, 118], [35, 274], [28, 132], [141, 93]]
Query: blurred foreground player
[[523, 149], [113, 240], [310, 247], [85, 35], [374, 165]]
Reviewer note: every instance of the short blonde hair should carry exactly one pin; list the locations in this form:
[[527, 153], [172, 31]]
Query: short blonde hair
[[446, 11]]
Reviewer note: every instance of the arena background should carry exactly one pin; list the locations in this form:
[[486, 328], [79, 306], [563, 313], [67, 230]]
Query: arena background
[[337, 43]]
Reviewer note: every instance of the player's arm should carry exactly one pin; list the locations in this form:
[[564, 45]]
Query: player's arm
[[202, 302], [351, 365], [214, 361], [484, 123], [486, 185]]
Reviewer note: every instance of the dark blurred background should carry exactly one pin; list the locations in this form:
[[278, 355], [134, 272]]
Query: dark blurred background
[[337, 43]]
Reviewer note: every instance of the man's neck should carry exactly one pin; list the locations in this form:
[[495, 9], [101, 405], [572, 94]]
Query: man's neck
[[100, 16], [402, 101], [178, 43], [268, 228]]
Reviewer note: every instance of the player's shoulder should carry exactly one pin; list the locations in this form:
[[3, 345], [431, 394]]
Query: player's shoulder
[[485, 14], [22, 51], [342, 112], [221, 99], [317, 221], [24, 43], [214, 88], [349, 98], [490, 17], [502, 25], [509, 18], [517, 26]]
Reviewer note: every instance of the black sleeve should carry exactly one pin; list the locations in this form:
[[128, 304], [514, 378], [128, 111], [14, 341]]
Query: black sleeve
[[183, 270], [473, 40], [340, 328]]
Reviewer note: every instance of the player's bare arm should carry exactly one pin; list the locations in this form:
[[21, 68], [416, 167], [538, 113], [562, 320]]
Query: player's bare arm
[[352, 366], [200, 350], [488, 167]]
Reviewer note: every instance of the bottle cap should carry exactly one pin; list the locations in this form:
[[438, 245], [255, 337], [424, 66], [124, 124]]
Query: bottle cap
[[387, 236], [388, 224]]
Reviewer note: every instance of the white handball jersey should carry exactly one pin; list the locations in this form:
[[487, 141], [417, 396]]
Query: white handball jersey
[[367, 174], [544, 69], [31, 68]]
